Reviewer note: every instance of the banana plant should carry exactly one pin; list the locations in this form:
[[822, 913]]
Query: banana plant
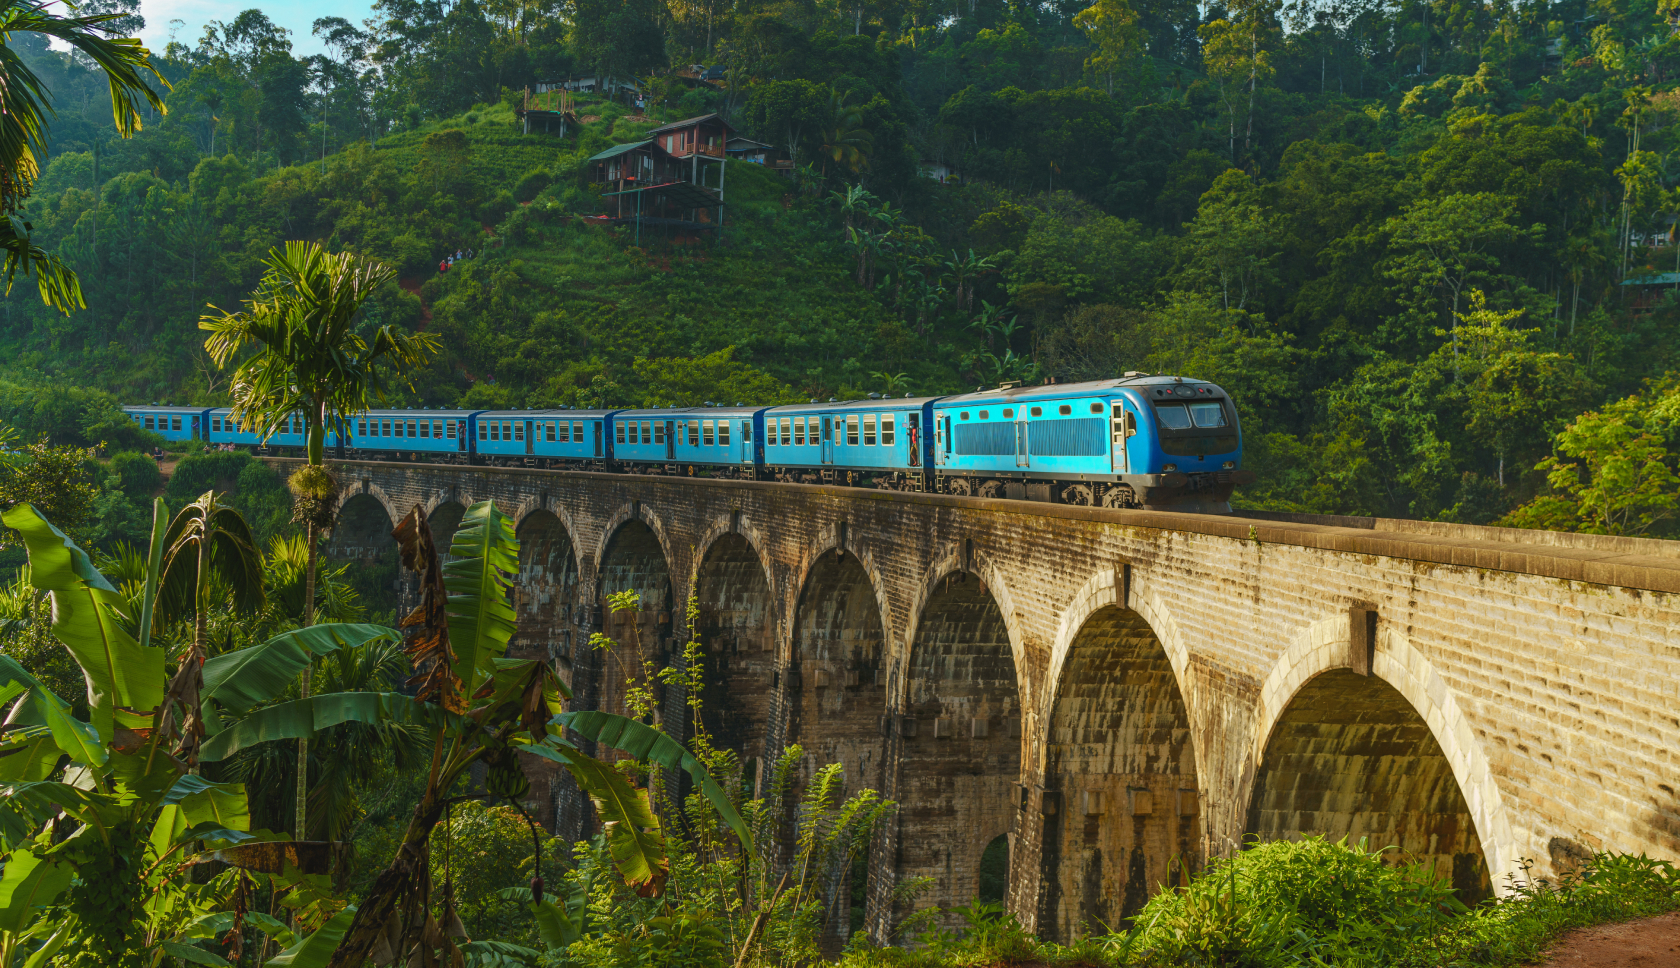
[[479, 706], [99, 819]]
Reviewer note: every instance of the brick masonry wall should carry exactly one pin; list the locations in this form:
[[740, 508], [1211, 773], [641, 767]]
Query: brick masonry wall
[[1546, 672]]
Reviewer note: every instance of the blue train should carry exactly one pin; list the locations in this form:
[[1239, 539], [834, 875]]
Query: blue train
[[1140, 441]]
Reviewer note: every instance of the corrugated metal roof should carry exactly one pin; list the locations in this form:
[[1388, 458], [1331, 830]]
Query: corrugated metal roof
[[617, 150], [695, 120], [1653, 279]]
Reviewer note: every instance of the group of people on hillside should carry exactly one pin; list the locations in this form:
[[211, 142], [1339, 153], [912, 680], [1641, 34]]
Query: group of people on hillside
[[450, 260]]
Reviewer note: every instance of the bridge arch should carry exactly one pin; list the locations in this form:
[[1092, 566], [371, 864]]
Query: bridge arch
[[1121, 811], [632, 556], [837, 662], [1389, 756], [361, 537], [735, 623], [959, 767]]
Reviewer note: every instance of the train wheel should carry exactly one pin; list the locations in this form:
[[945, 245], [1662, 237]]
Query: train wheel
[[1120, 496], [1078, 495], [993, 489], [960, 486]]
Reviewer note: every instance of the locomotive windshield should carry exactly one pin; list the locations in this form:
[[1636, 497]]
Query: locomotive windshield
[[1202, 415]]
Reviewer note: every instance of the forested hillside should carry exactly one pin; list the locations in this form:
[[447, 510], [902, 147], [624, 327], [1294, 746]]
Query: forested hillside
[[1414, 239]]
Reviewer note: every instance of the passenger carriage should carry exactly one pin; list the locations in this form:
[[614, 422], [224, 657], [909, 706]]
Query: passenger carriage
[[432, 435], [722, 441], [170, 423], [878, 442], [542, 438]]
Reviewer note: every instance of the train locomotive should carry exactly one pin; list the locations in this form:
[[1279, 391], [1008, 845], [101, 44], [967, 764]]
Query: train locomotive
[[1140, 441]]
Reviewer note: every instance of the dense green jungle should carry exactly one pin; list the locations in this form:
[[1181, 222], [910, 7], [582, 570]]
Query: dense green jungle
[[1409, 238]]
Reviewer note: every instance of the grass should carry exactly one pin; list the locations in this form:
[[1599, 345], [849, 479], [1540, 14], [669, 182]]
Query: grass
[[1315, 904]]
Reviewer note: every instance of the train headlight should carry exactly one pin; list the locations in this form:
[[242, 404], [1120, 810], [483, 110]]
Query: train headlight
[[1168, 468], [1229, 465]]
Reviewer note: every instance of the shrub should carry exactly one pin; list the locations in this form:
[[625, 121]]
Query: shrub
[[138, 473]]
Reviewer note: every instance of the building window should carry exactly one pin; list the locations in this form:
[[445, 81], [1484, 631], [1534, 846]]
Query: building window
[[886, 430], [869, 430], [852, 430]]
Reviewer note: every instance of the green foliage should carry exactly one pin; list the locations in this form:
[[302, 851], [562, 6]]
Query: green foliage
[[139, 475]]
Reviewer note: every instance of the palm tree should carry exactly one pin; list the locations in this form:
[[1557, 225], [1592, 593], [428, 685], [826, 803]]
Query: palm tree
[[23, 128], [208, 548], [311, 362], [848, 142]]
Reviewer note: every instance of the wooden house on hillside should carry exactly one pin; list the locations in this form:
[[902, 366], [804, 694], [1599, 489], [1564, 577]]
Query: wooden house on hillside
[[758, 153], [547, 109], [673, 180]]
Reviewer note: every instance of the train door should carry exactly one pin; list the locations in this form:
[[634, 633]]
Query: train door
[[1123, 425], [942, 439], [828, 440], [461, 436], [598, 438], [1021, 459], [670, 440], [530, 439]]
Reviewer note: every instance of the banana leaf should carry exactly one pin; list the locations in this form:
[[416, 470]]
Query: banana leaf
[[154, 570], [317, 949], [303, 717], [485, 557], [40, 707], [202, 801], [28, 753], [124, 681], [192, 954], [242, 679], [498, 954], [29, 884], [25, 806], [643, 742], [631, 828]]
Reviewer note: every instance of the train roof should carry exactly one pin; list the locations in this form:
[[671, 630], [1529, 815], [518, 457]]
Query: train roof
[[1152, 386], [742, 411], [162, 408], [883, 403], [410, 412], [556, 412]]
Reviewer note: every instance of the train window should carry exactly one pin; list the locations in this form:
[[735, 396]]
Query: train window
[[426, 428], [1009, 415], [437, 428], [852, 430], [869, 430], [618, 432], [577, 433], [1207, 414], [174, 423], [1038, 411], [798, 431], [723, 433], [384, 428], [1064, 410], [985, 415], [519, 430], [399, 429], [361, 427], [964, 414], [449, 429], [1096, 408], [495, 430], [787, 428], [706, 432], [483, 431], [547, 430], [770, 436], [507, 430], [746, 431], [659, 431], [886, 430], [694, 433], [1173, 416], [148, 421], [647, 431]]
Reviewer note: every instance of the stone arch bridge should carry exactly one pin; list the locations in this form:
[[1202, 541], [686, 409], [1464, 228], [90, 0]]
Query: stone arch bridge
[[1098, 700]]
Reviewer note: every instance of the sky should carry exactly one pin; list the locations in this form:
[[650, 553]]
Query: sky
[[298, 16]]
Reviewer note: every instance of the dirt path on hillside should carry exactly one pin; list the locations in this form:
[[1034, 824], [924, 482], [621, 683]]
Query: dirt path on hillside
[[1646, 943]]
